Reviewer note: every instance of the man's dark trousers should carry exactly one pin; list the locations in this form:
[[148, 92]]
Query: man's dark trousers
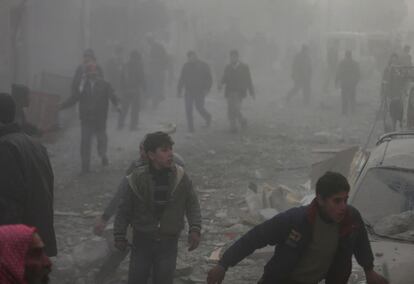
[[89, 130], [234, 104], [130, 101], [348, 95], [196, 99], [150, 256]]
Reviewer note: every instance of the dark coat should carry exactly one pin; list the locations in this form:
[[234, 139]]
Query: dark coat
[[348, 75], [392, 82], [291, 233], [238, 80], [93, 102], [195, 78], [26, 184]]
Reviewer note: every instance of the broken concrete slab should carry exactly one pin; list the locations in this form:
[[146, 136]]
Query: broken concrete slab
[[90, 252], [268, 213]]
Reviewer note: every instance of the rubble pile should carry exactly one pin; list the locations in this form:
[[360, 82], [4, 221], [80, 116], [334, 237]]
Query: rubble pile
[[398, 225]]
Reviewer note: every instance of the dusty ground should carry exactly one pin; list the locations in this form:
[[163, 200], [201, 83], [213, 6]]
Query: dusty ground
[[276, 149]]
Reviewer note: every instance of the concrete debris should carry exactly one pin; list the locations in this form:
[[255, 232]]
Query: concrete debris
[[63, 266], [84, 214], [169, 128], [307, 199], [189, 280], [67, 214], [215, 255], [206, 191], [183, 269], [254, 202], [237, 229], [268, 213], [278, 198], [409, 235], [90, 252], [222, 214]]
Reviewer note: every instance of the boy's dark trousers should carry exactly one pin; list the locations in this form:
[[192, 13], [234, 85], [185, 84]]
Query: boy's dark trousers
[[152, 256]]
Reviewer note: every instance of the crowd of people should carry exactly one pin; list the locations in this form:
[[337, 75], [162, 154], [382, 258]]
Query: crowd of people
[[156, 196]]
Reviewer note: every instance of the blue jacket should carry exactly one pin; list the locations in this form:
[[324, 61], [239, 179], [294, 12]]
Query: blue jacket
[[291, 233]]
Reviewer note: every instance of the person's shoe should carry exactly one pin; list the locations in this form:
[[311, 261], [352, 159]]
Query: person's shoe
[[105, 161]]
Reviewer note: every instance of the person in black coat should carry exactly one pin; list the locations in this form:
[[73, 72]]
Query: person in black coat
[[196, 80], [301, 75], [347, 78], [157, 71], [93, 97], [238, 82], [26, 178], [133, 86]]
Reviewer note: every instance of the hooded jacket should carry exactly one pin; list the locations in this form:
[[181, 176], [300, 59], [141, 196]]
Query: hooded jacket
[[137, 206]]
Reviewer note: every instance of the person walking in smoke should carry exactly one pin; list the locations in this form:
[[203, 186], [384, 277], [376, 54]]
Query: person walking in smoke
[[347, 78], [391, 94], [157, 71], [115, 68], [115, 256], [405, 57], [237, 81], [80, 73], [93, 96], [196, 80], [301, 75], [159, 196], [312, 243], [133, 85]]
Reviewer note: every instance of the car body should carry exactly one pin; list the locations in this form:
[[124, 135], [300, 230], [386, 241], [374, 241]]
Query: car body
[[383, 191]]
